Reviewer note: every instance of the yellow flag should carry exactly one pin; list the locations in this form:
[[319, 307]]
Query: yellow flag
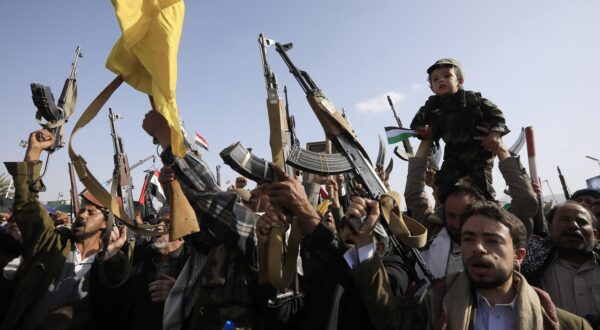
[[146, 55]]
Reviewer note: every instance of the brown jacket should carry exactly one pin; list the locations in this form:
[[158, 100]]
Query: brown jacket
[[450, 304]]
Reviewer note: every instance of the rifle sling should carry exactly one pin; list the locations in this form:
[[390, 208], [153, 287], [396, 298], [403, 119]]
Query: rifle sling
[[409, 230], [282, 268], [85, 175]]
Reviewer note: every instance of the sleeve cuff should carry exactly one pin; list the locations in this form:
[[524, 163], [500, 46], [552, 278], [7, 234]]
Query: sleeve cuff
[[358, 256]]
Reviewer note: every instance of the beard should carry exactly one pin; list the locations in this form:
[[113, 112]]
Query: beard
[[498, 278]]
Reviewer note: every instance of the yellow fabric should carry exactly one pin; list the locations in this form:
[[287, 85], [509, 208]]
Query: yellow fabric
[[323, 207], [146, 55]]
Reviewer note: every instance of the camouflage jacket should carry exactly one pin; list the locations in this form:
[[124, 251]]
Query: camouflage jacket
[[454, 118]]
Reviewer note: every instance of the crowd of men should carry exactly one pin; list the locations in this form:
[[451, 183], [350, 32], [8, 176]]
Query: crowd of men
[[492, 269]]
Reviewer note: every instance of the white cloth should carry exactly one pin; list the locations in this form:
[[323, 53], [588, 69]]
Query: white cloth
[[436, 256], [356, 257]]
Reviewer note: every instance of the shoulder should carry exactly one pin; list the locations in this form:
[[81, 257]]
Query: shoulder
[[568, 320]]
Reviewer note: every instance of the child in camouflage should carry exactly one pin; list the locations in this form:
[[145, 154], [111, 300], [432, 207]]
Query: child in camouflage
[[470, 125]]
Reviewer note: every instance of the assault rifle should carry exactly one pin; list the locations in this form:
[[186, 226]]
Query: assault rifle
[[342, 136], [56, 115], [281, 139], [122, 181]]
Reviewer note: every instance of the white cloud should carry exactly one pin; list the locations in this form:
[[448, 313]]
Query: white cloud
[[417, 87], [379, 103]]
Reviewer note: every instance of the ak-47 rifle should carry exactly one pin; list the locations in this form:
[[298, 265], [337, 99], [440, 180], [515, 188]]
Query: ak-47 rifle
[[122, 181], [342, 136], [563, 184], [281, 139], [73, 191], [56, 115]]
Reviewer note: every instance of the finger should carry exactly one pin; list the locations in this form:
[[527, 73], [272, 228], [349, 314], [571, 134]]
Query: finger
[[483, 129], [280, 173], [373, 208]]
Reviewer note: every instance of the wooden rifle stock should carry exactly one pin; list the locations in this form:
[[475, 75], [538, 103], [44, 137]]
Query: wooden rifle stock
[[183, 216]]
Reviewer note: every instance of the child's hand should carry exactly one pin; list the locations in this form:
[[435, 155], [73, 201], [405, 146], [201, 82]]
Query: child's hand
[[424, 133], [491, 142]]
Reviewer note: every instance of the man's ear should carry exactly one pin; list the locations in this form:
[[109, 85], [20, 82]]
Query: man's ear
[[519, 255], [461, 82]]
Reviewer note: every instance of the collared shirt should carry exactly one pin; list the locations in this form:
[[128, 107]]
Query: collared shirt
[[497, 317], [575, 289]]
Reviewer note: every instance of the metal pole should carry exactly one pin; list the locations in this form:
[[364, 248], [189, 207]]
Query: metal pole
[[552, 192]]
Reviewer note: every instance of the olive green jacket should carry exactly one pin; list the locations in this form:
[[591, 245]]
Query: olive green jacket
[[45, 249], [450, 304]]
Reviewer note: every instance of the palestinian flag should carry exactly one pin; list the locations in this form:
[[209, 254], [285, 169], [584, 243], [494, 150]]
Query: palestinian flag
[[399, 134]]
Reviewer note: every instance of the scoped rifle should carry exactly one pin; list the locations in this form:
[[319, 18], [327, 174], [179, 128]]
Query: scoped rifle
[[56, 115], [342, 136]]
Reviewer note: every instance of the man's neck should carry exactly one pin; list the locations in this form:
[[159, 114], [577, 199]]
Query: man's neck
[[502, 294], [88, 246]]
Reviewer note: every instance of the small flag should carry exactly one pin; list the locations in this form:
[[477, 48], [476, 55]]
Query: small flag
[[399, 134], [200, 141], [323, 192], [152, 195]]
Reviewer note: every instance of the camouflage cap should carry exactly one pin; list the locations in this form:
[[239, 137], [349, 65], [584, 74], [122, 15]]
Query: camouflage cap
[[445, 61]]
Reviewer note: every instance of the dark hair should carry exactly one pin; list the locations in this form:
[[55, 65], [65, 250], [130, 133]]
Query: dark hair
[[473, 193], [594, 193], [516, 228], [550, 214]]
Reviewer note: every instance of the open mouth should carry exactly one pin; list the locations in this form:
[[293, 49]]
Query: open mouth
[[480, 267]]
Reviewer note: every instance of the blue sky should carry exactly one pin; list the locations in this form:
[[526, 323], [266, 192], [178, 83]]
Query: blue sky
[[537, 60]]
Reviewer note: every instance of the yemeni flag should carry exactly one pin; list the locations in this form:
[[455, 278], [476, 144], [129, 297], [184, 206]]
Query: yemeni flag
[[200, 141], [152, 195], [399, 134]]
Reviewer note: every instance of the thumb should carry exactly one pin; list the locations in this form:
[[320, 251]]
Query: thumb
[[280, 173]]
